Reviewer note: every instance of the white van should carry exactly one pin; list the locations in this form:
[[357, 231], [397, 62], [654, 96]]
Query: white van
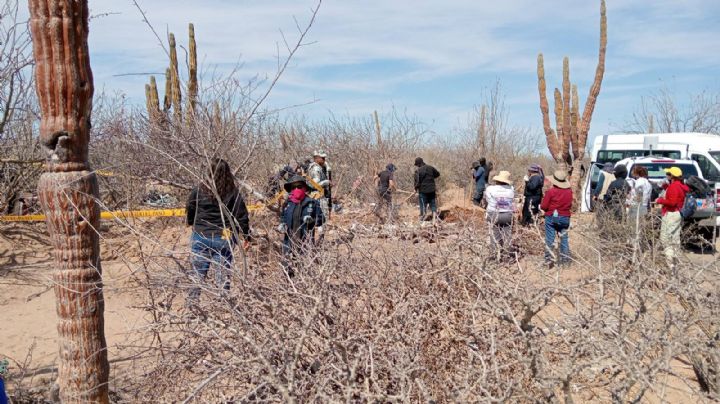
[[703, 148]]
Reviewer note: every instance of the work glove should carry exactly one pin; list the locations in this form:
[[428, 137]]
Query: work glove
[[320, 230], [282, 228], [526, 178], [308, 219], [324, 183]]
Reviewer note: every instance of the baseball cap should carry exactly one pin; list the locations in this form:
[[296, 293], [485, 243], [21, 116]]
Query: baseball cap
[[674, 171]]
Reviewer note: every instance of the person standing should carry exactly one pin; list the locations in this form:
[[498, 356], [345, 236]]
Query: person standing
[[218, 214], [557, 205], [640, 192], [616, 195], [671, 224], [385, 183], [299, 220], [499, 214], [534, 182], [320, 172], [478, 174], [425, 177]]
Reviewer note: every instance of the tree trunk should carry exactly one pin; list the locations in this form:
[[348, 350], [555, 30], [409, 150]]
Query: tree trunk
[[68, 192]]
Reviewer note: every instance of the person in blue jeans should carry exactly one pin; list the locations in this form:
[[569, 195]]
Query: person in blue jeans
[[557, 205], [218, 214]]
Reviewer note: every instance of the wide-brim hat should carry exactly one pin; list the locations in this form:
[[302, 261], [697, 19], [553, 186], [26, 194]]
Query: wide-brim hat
[[295, 179], [559, 179], [320, 153], [504, 177]]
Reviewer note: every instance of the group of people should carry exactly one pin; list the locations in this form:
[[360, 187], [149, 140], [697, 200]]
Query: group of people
[[618, 198], [219, 217], [556, 204]]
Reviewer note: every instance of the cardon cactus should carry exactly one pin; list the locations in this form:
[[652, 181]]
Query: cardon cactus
[[68, 192], [567, 143]]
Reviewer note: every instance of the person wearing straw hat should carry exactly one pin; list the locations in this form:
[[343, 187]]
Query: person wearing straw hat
[[320, 172], [534, 182], [557, 204], [299, 219], [499, 213], [671, 223]]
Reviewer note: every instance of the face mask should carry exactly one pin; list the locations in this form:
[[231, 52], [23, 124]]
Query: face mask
[[297, 195]]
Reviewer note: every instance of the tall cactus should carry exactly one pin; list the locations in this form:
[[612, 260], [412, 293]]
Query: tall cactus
[[173, 93], [68, 193], [567, 144], [192, 70]]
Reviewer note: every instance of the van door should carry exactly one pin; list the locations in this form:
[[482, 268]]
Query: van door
[[707, 166], [591, 180]]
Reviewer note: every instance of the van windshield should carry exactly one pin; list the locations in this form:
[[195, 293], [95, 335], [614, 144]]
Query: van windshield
[[657, 170], [716, 156]]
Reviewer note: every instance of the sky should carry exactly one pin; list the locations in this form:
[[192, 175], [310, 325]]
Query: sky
[[432, 59]]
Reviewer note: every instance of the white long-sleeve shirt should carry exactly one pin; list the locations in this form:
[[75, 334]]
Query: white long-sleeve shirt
[[500, 198]]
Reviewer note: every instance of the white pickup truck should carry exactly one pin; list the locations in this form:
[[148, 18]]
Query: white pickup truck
[[707, 208]]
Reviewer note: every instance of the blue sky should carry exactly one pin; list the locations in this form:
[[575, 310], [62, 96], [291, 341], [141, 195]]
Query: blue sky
[[434, 59]]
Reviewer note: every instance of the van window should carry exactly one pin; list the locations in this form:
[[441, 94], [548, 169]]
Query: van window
[[657, 170], [708, 169], [715, 155], [613, 156]]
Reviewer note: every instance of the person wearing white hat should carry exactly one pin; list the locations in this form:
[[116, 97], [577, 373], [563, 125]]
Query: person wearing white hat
[[319, 171], [499, 214]]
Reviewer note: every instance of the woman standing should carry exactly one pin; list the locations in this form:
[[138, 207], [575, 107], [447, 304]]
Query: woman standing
[[301, 216], [640, 192], [533, 193], [217, 213], [500, 206], [557, 204]]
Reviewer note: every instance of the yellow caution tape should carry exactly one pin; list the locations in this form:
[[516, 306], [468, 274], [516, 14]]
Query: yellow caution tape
[[117, 214]]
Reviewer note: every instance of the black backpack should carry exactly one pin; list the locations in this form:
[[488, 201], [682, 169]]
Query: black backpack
[[698, 187]]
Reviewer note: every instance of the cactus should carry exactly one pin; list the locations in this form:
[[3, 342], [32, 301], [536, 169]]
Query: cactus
[[173, 93], [192, 68], [68, 192], [572, 132]]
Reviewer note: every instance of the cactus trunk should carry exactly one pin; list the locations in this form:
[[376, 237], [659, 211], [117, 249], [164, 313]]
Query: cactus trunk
[[68, 192]]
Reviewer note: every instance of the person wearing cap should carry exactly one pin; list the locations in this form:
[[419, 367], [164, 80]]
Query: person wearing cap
[[671, 224], [534, 182], [478, 174], [557, 205], [499, 213], [617, 193], [299, 219], [319, 171], [385, 183], [425, 176]]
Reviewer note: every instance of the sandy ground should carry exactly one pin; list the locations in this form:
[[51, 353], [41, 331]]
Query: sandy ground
[[28, 335]]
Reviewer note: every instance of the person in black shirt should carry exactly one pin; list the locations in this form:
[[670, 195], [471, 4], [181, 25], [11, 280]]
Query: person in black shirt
[[533, 194], [425, 176], [217, 213], [616, 195], [385, 183]]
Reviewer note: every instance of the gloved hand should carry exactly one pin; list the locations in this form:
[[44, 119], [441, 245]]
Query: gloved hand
[[320, 230], [282, 228], [526, 178], [324, 183], [308, 219]]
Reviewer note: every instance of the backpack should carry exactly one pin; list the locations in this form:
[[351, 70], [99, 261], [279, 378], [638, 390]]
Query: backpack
[[689, 206], [698, 187]]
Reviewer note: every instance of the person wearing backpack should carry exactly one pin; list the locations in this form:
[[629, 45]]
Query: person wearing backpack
[[671, 225]]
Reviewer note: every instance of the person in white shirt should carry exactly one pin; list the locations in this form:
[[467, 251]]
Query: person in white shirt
[[499, 214], [640, 191]]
